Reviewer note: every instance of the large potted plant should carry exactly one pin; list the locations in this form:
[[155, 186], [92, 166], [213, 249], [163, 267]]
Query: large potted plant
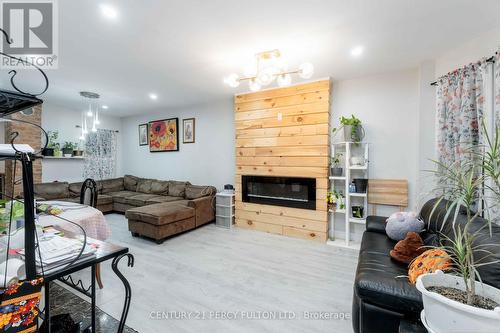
[[52, 145], [459, 301]]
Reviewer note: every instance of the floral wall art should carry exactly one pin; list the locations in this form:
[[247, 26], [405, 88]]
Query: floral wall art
[[164, 135]]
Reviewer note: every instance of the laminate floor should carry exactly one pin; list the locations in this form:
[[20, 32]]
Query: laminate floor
[[217, 280]]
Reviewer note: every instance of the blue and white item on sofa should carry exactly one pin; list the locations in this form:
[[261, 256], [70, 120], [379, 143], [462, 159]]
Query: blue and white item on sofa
[[401, 223]]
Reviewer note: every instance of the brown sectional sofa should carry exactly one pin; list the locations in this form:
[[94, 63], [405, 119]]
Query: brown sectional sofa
[[154, 208]]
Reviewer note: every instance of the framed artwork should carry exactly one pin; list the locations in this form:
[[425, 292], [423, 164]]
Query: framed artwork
[[188, 130], [143, 135], [164, 135]]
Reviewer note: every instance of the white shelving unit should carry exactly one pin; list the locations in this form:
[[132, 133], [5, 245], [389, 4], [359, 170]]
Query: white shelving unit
[[348, 149], [224, 209]]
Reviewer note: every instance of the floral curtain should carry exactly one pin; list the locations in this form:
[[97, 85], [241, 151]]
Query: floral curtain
[[460, 106], [100, 150]]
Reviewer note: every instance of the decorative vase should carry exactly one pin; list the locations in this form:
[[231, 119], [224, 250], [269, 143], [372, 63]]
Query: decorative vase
[[442, 314], [354, 133], [78, 153], [361, 184], [336, 172], [357, 211]]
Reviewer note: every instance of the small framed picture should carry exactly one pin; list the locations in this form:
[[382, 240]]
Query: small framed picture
[[143, 134], [188, 130]]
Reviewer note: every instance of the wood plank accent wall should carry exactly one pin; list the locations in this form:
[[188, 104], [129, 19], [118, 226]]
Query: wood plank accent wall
[[297, 145]]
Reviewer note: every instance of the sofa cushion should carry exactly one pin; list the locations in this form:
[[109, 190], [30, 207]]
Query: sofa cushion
[[104, 199], [130, 182], [163, 198], [139, 199], [144, 185], [70, 199], [159, 187], [177, 188], [51, 191], [195, 192], [160, 213], [121, 195], [112, 185], [74, 189], [374, 242]]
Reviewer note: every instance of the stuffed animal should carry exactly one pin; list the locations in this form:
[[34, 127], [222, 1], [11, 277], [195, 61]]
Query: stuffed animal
[[408, 249], [401, 223]]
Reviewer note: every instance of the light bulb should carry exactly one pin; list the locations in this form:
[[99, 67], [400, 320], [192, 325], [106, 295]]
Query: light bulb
[[254, 85], [306, 70], [284, 80], [94, 129], [89, 113], [96, 119], [82, 137], [266, 76], [232, 80]]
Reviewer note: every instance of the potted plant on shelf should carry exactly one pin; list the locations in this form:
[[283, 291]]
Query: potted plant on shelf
[[68, 149], [52, 145], [331, 201], [335, 168], [459, 301], [357, 212], [353, 131], [78, 151], [340, 199]]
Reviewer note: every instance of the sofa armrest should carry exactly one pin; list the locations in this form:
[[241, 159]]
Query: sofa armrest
[[376, 224], [204, 209]]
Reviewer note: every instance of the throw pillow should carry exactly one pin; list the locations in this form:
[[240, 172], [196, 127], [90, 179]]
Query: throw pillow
[[401, 223], [144, 186], [429, 262], [195, 192], [130, 182], [408, 249]]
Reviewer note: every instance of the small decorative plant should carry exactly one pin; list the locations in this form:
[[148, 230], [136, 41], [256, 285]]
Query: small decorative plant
[[335, 168], [330, 200], [68, 148], [353, 131], [52, 145], [335, 199]]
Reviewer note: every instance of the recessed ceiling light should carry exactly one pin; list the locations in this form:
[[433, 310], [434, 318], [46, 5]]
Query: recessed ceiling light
[[153, 96], [357, 51], [109, 11], [105, 107]]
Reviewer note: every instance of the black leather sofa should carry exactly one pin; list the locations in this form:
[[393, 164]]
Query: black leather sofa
[[382, 294]]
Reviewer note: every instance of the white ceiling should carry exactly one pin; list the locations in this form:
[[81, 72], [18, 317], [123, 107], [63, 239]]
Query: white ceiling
[[182, 49]]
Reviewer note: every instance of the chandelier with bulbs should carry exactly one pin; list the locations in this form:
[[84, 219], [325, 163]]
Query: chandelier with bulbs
[[91, 113], [270, 67]]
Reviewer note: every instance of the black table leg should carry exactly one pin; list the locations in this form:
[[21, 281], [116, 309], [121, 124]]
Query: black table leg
[[46, 314], [128, 290], [92, 298]]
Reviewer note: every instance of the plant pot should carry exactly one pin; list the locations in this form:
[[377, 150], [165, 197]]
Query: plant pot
[[78, 153], [354, 133], [336, 172], [67, 151], [361, 184], [357, 211], [445, 315], [48, 152], [332, 206]]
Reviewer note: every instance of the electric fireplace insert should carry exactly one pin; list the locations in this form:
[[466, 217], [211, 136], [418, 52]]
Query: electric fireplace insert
[[280, 191]]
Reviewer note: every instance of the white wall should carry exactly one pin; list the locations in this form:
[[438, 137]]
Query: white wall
[[65, 120], [387, 105], [484, 45], [208, 161]]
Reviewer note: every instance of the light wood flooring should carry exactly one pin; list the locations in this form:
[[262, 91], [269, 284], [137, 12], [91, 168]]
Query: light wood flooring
[[209, 273]]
